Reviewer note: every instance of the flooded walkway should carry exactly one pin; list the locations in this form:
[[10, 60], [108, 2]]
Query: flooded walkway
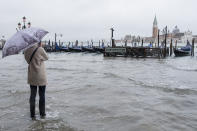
[[92, 93]]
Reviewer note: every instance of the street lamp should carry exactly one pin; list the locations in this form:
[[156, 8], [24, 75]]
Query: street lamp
[[2, 42], [19, 26], [24, 20], [29, 25], [24, 25], [112, 37]]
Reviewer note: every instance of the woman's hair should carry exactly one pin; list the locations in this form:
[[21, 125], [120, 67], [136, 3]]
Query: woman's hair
[[39, 44]]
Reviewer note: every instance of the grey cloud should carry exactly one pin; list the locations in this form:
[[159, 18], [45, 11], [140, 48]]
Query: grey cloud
[[91, 19]]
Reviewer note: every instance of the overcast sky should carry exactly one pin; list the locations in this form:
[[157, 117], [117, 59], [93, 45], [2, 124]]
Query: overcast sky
[[92, 19]]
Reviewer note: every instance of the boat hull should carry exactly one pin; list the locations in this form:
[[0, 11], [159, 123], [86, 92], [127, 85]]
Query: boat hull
[[179, 53], [72, 49], [64, 49], [87, 49], [99, 49]]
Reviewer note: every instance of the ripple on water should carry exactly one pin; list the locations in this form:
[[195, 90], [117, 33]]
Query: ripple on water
[[54, 125], [103, 94], [181, 90]]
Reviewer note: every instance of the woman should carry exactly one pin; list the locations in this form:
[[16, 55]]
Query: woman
[[35, 57]]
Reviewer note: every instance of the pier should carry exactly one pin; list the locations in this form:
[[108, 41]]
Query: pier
[[162, 50], [136, 52], [157, 48]]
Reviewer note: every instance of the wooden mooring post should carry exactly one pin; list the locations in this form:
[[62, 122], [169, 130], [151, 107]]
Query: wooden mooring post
[[135, 52], [158, 38], [112, 37], [125, 43], [142, 42], [171, 50], [192, 51], [165, 49], [176, 44]]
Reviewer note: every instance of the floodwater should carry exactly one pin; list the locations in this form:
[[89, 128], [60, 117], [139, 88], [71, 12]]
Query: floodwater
[[87, 92]]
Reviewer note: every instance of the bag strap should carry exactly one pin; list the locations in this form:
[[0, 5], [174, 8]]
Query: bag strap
[[33, 54]]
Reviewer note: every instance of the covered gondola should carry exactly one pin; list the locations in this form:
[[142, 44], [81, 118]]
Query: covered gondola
[[183, 51], [88, 49], [99, 49], [76, 49], [64, 48]]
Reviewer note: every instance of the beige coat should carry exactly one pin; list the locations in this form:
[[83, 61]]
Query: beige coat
[[36, 68]]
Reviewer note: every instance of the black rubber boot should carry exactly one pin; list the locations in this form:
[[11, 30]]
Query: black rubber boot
[[42, 109], [32, 111], [42, 101], [32, 100]]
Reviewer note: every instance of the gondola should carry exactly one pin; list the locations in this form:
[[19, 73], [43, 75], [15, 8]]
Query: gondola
[[76, 49], [99, 49], [88, 49], [65, 49], [183, 51]]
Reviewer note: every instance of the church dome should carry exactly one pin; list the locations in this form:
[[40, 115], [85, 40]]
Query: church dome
[[176, 30]]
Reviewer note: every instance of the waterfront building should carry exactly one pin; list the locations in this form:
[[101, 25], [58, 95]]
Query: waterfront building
[[195, 37], [176, 34], [187, 36], [176, 30], [127, 37]]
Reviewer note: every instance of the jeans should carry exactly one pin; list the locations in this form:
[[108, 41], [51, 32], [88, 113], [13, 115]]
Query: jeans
[[41, 100]]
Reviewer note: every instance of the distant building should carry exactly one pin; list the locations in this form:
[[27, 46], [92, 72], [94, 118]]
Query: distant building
[[187, 36], [155, 28], [127, 37], [175, 34], [176, 30], [130, 38], [195, 37]]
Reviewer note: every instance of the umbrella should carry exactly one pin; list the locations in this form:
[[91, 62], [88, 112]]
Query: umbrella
[[23, 39]]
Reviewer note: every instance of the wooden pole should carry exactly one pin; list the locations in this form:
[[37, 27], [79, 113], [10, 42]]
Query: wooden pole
[[166, 29], [103, 44], [192, 53], [52, 46], [76, 43], [125, 43], [55, 37], [171, 47], [92, 43], [158, 38], [112, 37], [176, 44], [68, 44], [113, 43], [49, 43]]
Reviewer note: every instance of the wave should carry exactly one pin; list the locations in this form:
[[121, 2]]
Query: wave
[[86, 109], [182, 69], [60, 60], [50, 124], [59, 69], [166, 88], [12, 105], [111, 75]]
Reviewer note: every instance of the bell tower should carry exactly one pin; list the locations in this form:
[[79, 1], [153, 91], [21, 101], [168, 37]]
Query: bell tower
[[155, 28]]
